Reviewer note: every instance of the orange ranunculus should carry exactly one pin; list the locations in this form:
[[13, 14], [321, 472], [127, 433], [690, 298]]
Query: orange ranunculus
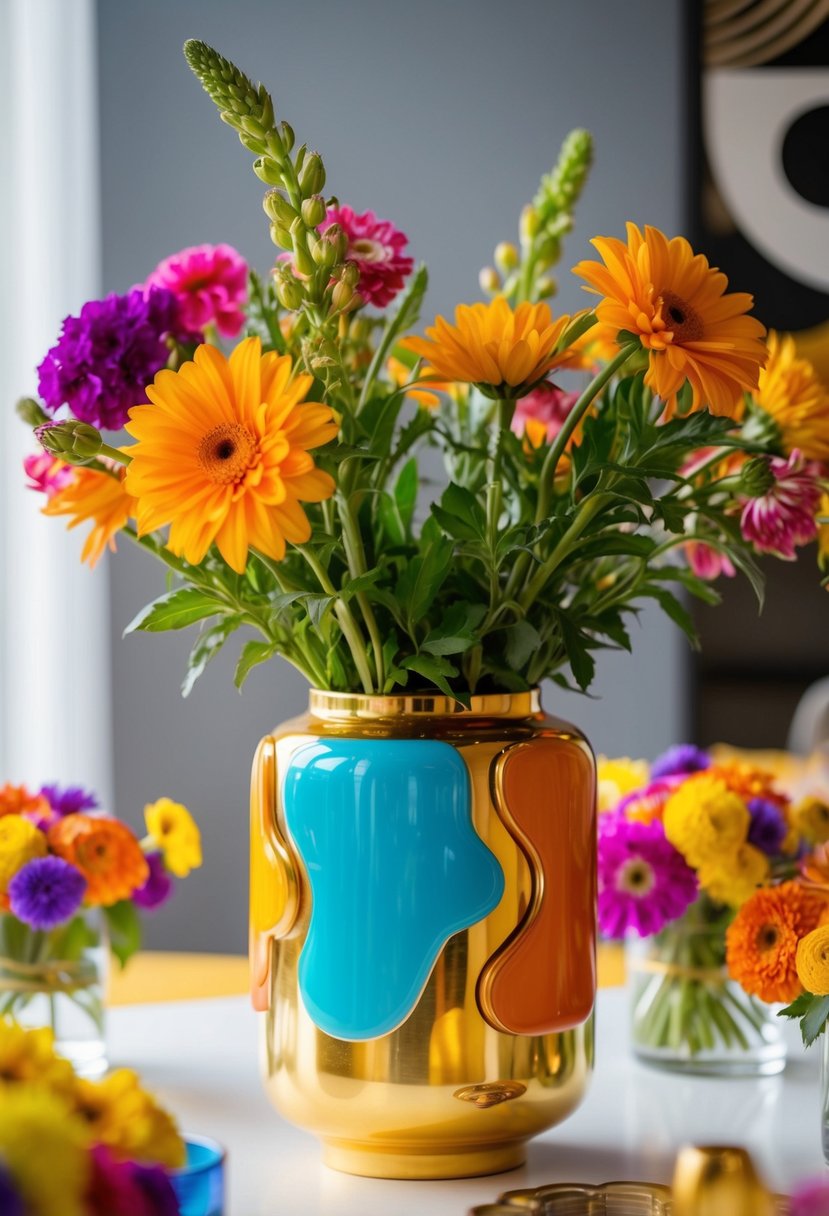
[[761, 942], [105, 851], [17, 800]]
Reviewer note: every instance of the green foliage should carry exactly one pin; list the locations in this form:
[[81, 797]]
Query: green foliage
[[124, 926], [812, 1012]]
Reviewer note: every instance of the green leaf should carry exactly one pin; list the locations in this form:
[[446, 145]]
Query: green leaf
[[578, 655], [206, 648], [124, 930], [523, 639], [317, 606], [74, 938], [460, 514], [252, 654], [423, 577], [671, 606], [363, 582], [456, 632], [813, 1012], [436, 670], [175, 610]]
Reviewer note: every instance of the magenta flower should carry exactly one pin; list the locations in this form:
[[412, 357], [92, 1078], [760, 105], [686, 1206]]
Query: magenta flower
[[210, 284], [811, 1199], [376, 247], [648, 803], [105, 358], [548, 404], [159, 886], [46, 892], [785, 516], [46, 473], [128, 1188], [707, 562], [644, 882]]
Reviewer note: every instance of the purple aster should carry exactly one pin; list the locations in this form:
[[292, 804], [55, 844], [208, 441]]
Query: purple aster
[[46, 892], [767, 829], [682, 758], [70, 800], [643, 881], [811, 1199], [11, 1202], [159, 886], [105, 358]]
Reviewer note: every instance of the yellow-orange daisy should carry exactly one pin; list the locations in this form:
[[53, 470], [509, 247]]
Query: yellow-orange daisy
[[105, 851], [761, 941], [790, 390], [493, 346], [222, 454], [677, 305], [97, 496]]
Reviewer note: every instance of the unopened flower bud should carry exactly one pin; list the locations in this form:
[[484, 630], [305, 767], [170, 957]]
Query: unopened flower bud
[[313, 210], [312, 177], [31, 413], [288, 137], [546, 286], [267, 170], [489, 280], [75, 442], [342, 296], [288, 289], [756, 477], [506, 256], [528, 224], [281, 236], [278, 209], [331, 247]]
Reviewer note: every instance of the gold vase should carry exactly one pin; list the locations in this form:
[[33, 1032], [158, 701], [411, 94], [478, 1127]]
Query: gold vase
[[423, 928]]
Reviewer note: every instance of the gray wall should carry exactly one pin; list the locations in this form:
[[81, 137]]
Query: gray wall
[[440, 116]]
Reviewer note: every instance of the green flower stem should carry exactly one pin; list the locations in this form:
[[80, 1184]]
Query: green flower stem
[[114, 454], [589, 509], [306, 663], [350, 628], [356, 558]]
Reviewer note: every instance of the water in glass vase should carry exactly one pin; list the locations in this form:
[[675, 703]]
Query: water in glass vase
[[687, 1015], [58, 979]]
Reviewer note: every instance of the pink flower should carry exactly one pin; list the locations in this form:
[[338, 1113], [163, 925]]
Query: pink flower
[[643, 881], [46, 473], [376, 247], [547, 404], [128, 1188], [209, 283], [784, 516], [707, 562], [811, 1199]]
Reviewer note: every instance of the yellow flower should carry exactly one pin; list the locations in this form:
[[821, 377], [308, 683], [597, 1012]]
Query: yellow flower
[[823, 530], [492, 346], [617, 778], [96, 496], [28, 1056], [790, 391], [174, 831], [732, 878], [676, 304], [813, 961], [20, 841], [124, 1117], [810, 818], [705, 820], [222, 454], [400, 374], [45, 1147]]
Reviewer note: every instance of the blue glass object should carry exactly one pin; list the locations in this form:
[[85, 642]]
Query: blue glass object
[[200, 1183], [395, 866]]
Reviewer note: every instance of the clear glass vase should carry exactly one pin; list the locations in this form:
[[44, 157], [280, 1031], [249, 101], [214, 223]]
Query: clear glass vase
[[58, 979], [688, 1016]]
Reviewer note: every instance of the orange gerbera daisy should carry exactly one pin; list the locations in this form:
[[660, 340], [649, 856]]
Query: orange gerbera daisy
[[100, 497], [677, 305], [105, 851], [17, 800], [761, 941], [493, 347], [791, 392], [222, 454]]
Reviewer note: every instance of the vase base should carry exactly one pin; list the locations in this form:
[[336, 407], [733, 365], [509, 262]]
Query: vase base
[[370, 1161], [735, 1066]]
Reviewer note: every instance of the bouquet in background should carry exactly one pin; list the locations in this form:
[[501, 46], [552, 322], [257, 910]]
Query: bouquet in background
[[639, 448], [724, 874], [73, 1147], [74, 881]]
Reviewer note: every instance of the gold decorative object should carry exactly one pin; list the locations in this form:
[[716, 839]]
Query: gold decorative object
[[494, 1043]]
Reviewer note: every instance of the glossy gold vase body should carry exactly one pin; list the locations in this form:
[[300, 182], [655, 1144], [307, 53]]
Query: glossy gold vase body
[[498, 1045]]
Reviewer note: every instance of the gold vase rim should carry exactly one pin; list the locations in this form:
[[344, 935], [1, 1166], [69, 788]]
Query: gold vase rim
[[363, 706]]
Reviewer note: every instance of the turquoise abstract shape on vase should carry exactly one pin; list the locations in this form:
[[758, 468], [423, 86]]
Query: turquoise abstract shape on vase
[[384, 828]]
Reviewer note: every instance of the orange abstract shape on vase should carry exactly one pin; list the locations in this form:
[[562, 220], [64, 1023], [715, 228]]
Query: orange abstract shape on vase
[[274, 879], [542, 979]]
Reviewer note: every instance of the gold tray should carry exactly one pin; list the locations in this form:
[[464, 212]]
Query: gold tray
[[571, 1199]]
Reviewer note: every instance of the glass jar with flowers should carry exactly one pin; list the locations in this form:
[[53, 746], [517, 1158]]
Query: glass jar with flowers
[[593, 462], [72, 882], [696, 868]]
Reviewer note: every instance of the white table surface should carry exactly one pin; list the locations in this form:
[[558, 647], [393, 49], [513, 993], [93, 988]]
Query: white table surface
[[201, 1057]]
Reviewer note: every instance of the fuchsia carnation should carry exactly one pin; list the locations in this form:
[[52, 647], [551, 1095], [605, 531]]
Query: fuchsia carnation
[[707, 562], [46, 473], [209, 283], [644, 882], [785, 516], [548, 404], [376, 248]]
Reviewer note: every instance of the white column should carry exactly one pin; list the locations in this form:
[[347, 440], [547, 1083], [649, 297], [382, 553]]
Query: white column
[[54, 628]]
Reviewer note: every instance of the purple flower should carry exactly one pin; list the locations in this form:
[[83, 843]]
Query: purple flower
[[105, 358], [128, 1188], [811, 1199], [159, 886], [46, 892], [70, 800], [11, 1202], [767, 829], [643, 881], [682, 758]]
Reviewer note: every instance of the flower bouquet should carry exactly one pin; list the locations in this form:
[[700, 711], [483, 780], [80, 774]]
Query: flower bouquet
[[72, 884], [709, 863], [74, 1147]]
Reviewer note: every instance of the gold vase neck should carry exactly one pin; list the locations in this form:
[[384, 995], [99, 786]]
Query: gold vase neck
[[341, 706]]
